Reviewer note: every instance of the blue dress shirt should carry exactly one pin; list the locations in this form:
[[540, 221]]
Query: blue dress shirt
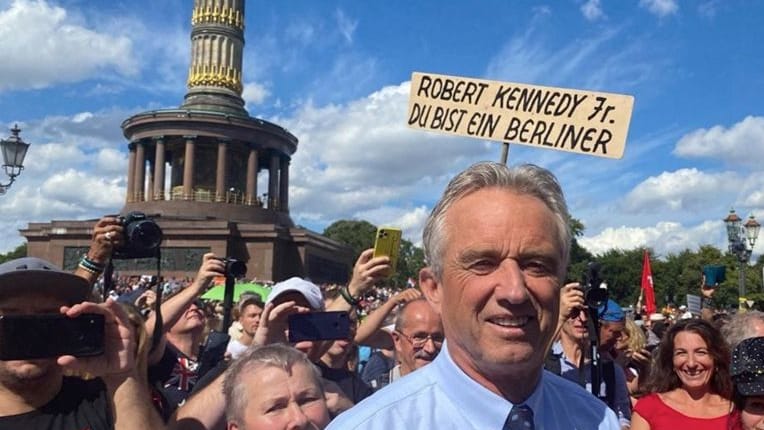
[[441, 396]]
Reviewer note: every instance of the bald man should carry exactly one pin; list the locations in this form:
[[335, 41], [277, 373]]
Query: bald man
[[418, 337]]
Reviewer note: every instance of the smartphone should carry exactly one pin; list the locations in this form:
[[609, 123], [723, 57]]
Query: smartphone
[[388, 243], [27, 337], [319, 326], [715, 275]]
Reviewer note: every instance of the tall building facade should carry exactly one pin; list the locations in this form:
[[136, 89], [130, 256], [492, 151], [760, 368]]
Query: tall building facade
[[196, 169]]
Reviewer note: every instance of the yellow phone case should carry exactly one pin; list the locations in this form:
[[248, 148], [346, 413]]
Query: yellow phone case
[[388, 242]]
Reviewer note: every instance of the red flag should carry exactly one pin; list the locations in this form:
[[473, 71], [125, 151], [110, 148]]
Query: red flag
[[647, 285]]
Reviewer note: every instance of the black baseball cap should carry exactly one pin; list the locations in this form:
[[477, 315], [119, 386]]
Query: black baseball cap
[[747, 367], [30, 274]]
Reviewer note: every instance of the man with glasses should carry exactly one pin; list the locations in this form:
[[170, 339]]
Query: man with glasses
[[571, 352], [418, 337]]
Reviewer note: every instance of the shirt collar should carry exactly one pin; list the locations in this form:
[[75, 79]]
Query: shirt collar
[[465, 392]]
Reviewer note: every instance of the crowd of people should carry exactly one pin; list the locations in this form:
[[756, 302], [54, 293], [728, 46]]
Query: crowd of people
[[489, 339]]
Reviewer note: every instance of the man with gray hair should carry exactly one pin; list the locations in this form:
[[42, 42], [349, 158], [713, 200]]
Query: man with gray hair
[[274, 387], [497, 244], [742, 326]]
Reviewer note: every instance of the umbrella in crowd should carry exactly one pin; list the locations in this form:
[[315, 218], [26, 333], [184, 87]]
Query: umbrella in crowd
[[217, 292]]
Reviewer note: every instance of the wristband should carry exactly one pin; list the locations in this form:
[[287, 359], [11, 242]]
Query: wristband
[[90, 265], [348, 298], [88, 269]]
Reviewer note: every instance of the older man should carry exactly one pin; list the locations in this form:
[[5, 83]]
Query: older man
[[108, 391], [574, 363], [418, 337], [742, 326], [498, 244]]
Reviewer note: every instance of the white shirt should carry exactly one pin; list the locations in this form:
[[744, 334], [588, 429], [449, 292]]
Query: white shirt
[[235, 348], [441, 396]]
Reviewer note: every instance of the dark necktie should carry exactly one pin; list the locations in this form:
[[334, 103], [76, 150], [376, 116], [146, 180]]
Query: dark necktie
[[520, 418]]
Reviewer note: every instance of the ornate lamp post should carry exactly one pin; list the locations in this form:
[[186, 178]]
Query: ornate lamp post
[[14, 150], [741, 239]]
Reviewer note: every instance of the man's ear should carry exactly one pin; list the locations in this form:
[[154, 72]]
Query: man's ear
[[396, 340], [431, 288]]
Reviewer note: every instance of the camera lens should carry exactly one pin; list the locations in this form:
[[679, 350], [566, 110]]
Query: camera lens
[[236, 268], [144, 235]]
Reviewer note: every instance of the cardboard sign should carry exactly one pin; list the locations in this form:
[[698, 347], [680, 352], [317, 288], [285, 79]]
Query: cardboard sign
[[563, 119], [693, 304]]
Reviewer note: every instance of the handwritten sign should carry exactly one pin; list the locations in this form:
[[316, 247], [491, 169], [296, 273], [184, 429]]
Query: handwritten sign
[[563, 119]]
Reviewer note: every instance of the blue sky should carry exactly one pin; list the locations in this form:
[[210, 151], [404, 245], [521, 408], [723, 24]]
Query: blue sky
[[336, 74]]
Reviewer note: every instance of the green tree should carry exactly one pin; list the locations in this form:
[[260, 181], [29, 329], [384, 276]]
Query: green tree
[[622, 270], [410, 261], [579, 255], [360, 234], [357, 234], [20, 251]]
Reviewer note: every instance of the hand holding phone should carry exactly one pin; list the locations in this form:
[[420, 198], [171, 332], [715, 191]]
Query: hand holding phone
[[714, 275], [28, 337], [388, 243], [319, 326]]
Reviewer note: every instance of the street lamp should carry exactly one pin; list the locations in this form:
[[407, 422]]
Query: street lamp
[[14, 150], [741, 239]]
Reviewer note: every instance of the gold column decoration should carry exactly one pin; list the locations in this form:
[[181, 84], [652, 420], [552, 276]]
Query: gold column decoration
[[217, 15], [215, 76]]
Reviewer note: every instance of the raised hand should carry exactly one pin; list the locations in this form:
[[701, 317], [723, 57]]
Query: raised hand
[[118, 359], [367, 271]]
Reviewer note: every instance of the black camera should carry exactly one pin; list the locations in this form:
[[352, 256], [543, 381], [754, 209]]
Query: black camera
[[234, 268], [594, 295], [142, 237]]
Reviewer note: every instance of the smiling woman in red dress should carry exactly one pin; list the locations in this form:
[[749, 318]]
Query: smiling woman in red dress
[[690, 383]]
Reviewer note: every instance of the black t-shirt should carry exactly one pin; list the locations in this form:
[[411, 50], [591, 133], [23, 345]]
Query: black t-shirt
[[80, 405], [349, 382]]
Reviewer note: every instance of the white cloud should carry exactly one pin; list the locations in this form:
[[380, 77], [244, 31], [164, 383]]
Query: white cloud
[[83, 190], [592, 10], [345, 25], [681, 190], [661, 8], [410, 220], [358, 157], [743, 143], [664, 237], [75, 169], [85, 129], [46, 157], [254, 93], [47, 48], [82, 117], [110, 162]]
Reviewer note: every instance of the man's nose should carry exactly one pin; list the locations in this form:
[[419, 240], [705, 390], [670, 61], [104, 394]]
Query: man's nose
[[429, 346], [297, 418], [511, 283]]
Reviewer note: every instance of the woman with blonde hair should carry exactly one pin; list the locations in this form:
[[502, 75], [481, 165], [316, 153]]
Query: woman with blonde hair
[[633, 357]]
